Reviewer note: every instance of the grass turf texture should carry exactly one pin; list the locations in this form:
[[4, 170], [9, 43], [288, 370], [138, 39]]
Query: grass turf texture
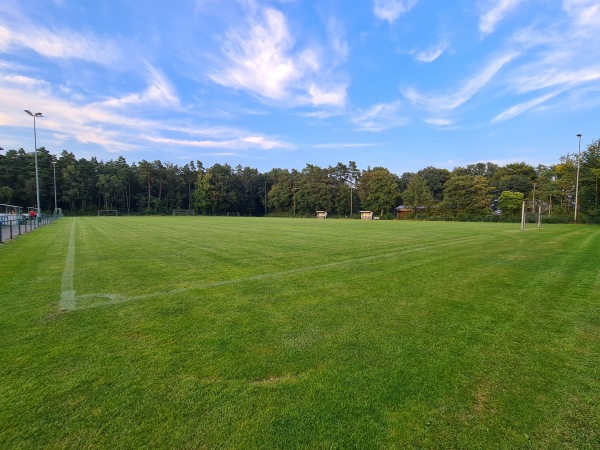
[[196, 332]]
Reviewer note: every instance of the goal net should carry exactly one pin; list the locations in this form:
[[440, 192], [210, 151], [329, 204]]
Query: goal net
[[533, 214], [183, 212], [233, 214], [107, 212]]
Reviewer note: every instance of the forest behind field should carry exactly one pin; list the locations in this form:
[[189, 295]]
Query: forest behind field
[[477, 191]]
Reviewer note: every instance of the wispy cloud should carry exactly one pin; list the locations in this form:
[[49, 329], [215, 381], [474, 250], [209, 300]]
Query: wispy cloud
[[340, 145], [523, 107], [438, 122], [334, 96], [380, 117], [495, 13], [461, 95], [58, 44], [527, 80], [22, 81], [258, 60], [262, 60], [113, 124], [244, 143], [320, 114], [585, 13], [563, 57], [337, 40], [432, 53], [554, 57], [159, 93], [390, 10]]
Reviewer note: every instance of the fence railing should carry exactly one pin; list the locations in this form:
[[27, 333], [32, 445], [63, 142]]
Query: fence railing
[[11, 227]]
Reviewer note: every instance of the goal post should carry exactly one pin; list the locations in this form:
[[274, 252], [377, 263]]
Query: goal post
[[107, 212], [533, 213], [183, 212], [233, 214]]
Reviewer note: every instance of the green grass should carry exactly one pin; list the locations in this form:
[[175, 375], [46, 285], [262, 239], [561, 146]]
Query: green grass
[[195, 332]]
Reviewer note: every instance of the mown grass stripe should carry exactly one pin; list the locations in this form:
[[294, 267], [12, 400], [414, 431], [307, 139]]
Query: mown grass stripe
[[67, 291], [268, 333], [108, 299]]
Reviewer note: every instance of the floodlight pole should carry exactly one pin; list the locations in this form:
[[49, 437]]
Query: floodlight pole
[[37, 179], [351, 199], [577, 180], [55, 204]]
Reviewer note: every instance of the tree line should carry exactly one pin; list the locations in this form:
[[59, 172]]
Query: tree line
[[482, 190]]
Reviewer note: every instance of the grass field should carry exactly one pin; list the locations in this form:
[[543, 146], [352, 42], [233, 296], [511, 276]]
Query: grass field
[[200, 332]]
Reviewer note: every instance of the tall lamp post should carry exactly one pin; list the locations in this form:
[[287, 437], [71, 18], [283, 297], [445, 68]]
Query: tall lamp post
[[37, 179], [577, 180], [55, 204]]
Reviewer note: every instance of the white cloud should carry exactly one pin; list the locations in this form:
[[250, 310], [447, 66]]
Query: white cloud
[[111, 124], [21, 81], [463, 94], [546, 76], [561, 56], [259, 60], [380, 117], [242, 143], [263, 60], [438, 122], [335, 96], [564, 55], [160, 93], [432, 53], [320, 114], [523, 107], [338, 145], [585, 14], [390, 10], [58, 44], [498, 9], [337, 39]]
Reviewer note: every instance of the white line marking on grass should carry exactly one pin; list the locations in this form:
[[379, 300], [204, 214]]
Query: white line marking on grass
[[107, 299], [113, 299], [67, 292]]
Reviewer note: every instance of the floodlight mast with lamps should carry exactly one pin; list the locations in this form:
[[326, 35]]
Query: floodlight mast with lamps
[[577, 180], [37, 179], [55, 204]]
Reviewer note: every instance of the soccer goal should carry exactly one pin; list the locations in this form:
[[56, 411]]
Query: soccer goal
[[533, 213], [107, 212], [233, 214], [183, 212]]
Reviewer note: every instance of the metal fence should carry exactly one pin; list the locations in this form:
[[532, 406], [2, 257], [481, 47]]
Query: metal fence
[[11, 227]]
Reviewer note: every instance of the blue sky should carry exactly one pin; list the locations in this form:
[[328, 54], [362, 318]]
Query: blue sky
[[403, 84]]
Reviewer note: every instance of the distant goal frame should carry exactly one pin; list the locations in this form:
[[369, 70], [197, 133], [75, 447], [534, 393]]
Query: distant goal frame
[[184, 212], [533, 213], [108, 213]]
